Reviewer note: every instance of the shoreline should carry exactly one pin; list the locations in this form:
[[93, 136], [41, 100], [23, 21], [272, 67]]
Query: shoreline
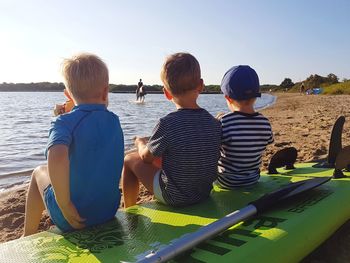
[[304, 122]]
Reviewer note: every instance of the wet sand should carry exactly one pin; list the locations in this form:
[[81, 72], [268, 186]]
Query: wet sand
[[304, 122]]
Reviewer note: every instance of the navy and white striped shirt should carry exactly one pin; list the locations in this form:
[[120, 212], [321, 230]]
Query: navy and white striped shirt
[[244, 139], [188, 140]]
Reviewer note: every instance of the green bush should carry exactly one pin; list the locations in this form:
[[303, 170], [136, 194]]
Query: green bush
[[337, 89]]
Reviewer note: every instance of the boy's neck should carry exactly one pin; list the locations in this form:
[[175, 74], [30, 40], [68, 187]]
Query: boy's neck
[[101, 98], [91, 101], [186, 105], [243, 108], [186, 101]]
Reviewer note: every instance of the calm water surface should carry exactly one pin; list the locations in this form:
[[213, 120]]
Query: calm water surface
[[25, 119]]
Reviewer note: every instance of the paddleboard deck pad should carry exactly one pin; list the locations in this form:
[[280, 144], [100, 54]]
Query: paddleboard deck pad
[[287, 233]]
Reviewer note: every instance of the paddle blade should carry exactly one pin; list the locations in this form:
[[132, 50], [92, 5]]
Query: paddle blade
[[204, 233], [291, 190]]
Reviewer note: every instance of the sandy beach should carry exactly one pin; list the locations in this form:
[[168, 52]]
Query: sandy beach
[[301, 121]]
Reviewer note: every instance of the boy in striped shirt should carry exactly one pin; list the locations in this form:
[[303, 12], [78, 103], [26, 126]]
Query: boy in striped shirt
[[187, 140], [245, 133]]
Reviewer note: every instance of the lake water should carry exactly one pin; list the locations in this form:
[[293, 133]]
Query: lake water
[[25, 119]]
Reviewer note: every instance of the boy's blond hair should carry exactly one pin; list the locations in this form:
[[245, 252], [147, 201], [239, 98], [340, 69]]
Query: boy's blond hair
[[181, 73], [85, 75]]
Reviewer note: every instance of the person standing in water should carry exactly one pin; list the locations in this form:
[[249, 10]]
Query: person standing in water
[[139, 85]]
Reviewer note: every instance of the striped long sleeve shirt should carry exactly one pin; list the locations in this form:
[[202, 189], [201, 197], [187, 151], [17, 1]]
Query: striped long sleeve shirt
[[244, 139]]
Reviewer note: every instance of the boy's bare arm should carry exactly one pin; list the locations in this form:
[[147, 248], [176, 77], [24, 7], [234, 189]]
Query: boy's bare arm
[[144, 152], [58, 168]]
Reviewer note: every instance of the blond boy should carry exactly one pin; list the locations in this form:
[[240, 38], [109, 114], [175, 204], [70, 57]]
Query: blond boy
[[79, 184], [187, 140], [245, 133]]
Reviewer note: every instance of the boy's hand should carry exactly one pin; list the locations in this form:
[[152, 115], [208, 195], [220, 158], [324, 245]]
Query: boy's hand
[[140, 141], [219, 115], [72, 216], [58, 109], [141, 145]]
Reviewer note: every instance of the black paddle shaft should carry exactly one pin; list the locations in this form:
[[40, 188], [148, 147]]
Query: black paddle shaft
[[267, 201]]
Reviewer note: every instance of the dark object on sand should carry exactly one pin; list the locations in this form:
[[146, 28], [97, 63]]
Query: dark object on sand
[[285, 157], [342, 162], [335, 144]]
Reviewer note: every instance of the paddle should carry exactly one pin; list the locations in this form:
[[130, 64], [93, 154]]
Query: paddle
[[204, 233]]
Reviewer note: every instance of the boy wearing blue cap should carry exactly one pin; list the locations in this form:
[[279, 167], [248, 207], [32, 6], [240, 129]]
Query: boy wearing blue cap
[[79, 186], [245, 133], [187, 140]]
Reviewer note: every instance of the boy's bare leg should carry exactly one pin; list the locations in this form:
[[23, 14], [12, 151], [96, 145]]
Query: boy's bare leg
[[35, 204], [136, 170], [130, 183]]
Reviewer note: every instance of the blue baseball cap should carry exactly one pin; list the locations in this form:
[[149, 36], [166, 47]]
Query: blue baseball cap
[[241, 83]]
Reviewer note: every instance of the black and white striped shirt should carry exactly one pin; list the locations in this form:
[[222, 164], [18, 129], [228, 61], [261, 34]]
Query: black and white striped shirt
[[188, 140], [244, 139]]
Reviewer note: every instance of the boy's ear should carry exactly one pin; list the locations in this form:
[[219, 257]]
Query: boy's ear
[[67, 94], [167, 94], [228, 99], [105, 93], [201, 86]]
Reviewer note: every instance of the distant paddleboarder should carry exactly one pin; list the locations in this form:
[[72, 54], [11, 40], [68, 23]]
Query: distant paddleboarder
[[139, 85]]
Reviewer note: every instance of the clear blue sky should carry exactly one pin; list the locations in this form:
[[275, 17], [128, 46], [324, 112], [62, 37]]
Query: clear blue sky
[[278, 38]]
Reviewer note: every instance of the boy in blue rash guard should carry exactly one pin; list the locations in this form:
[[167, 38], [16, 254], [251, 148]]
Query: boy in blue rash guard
[[79, 186]]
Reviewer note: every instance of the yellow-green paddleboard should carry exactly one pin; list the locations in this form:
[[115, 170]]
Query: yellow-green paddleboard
[[286, 234]]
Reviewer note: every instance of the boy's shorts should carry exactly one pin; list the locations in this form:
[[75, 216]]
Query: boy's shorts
[[157, 191], [54, 211]]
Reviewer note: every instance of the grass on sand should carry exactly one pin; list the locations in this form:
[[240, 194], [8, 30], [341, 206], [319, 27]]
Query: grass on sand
[[338, 88]]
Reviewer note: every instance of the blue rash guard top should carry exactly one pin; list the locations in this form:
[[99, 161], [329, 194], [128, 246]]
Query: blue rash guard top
[[96, 153]]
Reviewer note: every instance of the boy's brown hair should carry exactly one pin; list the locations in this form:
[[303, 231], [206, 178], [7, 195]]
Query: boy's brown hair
[[85, 75], [180, 73]]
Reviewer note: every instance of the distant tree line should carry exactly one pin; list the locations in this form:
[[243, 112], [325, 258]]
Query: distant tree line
[[120, 88], [269, 87], [39, 86], [313, 81]]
